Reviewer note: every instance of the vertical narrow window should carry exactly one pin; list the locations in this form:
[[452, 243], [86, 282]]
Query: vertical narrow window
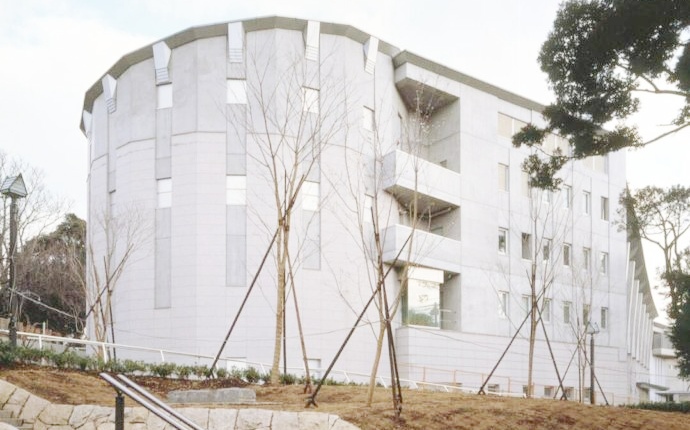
[[526, 304], [235, 42], [313, 32], [604, 263], [311, 221], [566, 312], [546, 311], [503, 304], [567, 248], [546, 196], [567, 196], [164, 96], [604, 323], [368, 214], [368, 119], [235, 190], [503, 177], [164, 188], [605, 208], [586, 258], [526, 189], [236, 92], [505, 125], [401, 130], [546, 249], [526, 246], [586, 202], [585, 314], [310, 100], [502, 241]]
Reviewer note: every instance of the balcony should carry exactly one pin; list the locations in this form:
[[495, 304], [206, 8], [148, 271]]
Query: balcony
[[428, 249], [437, 188]]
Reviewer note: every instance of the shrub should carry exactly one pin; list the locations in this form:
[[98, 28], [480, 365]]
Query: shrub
[[201, 371], [683, 407], [222, 373], [130, 367], [8, 354], [288, 379], [251, 375], [163, 370], [183, 372]]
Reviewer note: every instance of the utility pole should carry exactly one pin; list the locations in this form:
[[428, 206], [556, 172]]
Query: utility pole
[[14, 188]]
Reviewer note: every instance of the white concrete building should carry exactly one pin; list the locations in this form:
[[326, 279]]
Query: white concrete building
[[181, 133]]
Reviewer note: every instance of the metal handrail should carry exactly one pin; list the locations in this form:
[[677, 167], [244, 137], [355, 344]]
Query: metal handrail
[[160, 413], [139, 389]]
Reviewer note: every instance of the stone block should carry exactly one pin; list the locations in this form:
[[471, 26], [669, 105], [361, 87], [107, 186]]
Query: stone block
[[198, 416], [56, 415], [312, 421], [80, 415], [336, 423], [6, 390], [5, 426], [285, 420], [32, 408], [222, 419], [222, 395], [253, 419], [136, 415]]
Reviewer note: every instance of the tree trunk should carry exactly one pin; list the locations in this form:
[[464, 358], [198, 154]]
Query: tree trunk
[[280, 305]]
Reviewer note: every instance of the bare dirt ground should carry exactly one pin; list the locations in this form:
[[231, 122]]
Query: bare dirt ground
[[421, 409]]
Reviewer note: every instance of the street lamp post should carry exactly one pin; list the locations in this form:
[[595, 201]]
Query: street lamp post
[[592, 329], [14, 188]]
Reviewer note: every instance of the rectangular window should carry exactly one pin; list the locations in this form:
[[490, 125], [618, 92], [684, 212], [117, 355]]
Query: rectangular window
[[310, 100], [310, 196], [235, 190], [368, 214], [526, 303], [548, 392], [368, 119], [546, 311], [236, 92], [604, 262], [567, 306], [604, 323], [546, 196], [526, 189], [567, 254], [503, 177], [605, 208], [567, 196], [164, 189], [505, 126], [585, 314], [422, 301], [586, 202], [586, 258], [503, 304], [526, 246], [502, 241], [164, 96], [546, 250]]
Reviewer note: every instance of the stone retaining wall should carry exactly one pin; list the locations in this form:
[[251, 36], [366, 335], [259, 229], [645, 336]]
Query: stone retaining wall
[[44, 415]]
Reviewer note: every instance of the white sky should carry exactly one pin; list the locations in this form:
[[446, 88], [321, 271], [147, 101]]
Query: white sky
[[52, 51]]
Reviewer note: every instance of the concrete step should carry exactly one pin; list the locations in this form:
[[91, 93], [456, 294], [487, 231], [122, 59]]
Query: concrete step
[[7, 418]]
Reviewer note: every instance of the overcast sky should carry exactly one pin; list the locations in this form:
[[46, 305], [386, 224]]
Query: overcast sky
[[52, 51]]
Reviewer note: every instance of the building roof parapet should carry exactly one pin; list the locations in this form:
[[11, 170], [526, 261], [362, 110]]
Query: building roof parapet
[[277, 22]]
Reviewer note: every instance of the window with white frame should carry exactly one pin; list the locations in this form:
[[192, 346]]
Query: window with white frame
[[586, 258], [503, 177], [585, 313], [502, 241], [604, 262], [567, 257], [236, 92], [310, 100], [546, 196], [586, 202], [546, 311], [368, 119], [567, 196], [526, 246], [526, 189], [236, 190], [546, 250], [164, 190], [503, 304], [526, 303], [422, 302], [604, 322], [368, 209], [310, 196], [567, 307], [164, 96], [605, 208]]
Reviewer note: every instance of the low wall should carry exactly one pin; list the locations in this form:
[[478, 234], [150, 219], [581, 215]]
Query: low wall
[[44, 415]]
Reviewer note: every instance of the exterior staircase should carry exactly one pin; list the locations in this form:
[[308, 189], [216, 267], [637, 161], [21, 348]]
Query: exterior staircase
[[7, 418]]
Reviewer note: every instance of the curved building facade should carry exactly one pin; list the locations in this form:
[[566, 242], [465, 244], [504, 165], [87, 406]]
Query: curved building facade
[[202, 144]]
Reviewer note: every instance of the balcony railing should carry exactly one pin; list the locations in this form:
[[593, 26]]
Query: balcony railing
[[406, 177], [423, 249]]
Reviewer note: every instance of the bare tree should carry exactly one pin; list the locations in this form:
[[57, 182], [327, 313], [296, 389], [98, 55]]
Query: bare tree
[[106, 259], [291, 117]]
